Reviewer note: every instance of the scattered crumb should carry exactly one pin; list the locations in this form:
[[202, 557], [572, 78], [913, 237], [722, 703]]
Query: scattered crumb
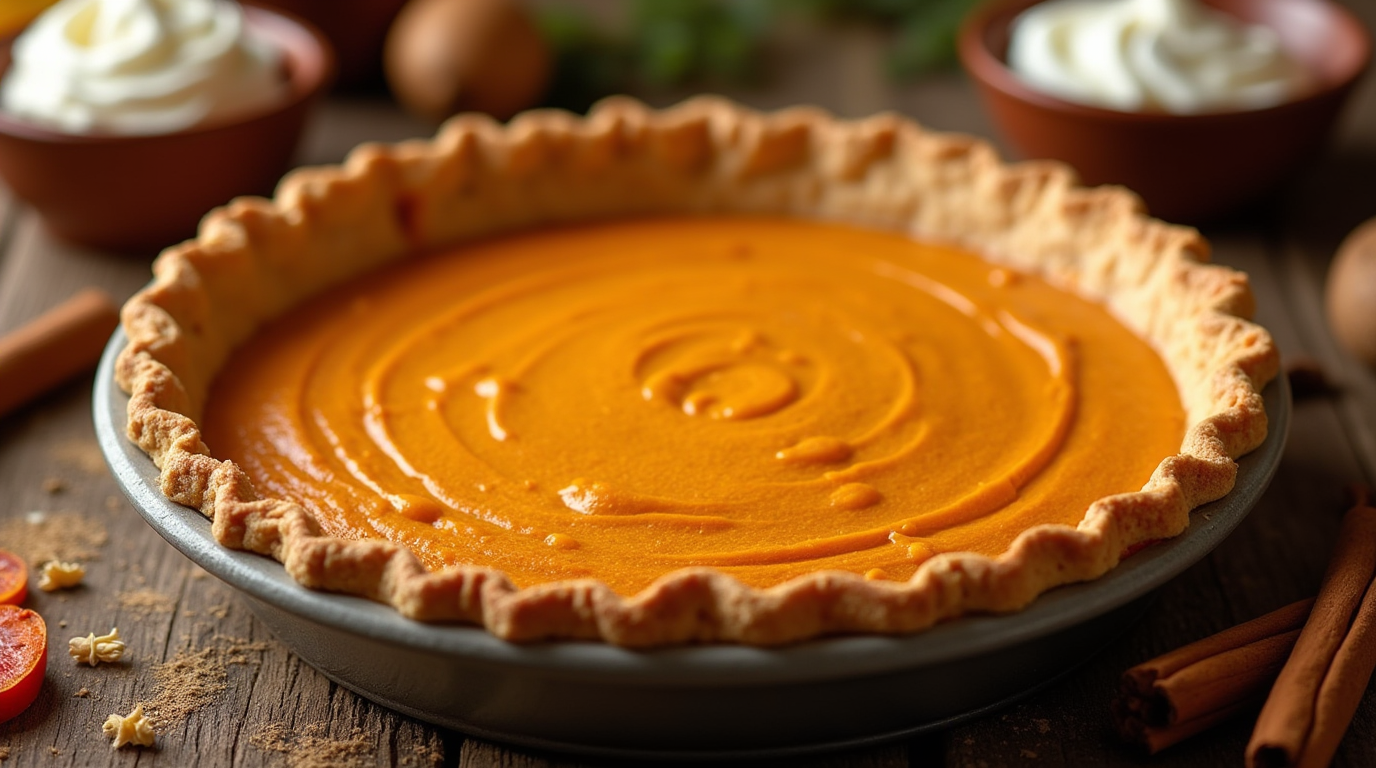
[[184, 684], [133, 728], [1308, 379], [83, 454], [236, 649], [54, 750], [4, 754], [54, 485], [147, 601], [423, 754], [218, 611], [94, 649], [195, 678], [62, 623], [41, 536], [308, 748], [84, 693], [1043, 725], [57, 574], [1027, 753]]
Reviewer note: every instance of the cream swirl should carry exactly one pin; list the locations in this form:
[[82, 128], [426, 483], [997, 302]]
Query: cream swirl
[[139, 67], [1142, 55]]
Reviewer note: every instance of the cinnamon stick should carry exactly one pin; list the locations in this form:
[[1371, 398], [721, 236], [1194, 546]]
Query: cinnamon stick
[[1181, 693], [1154, 738], [59, 344], [1321, 685]]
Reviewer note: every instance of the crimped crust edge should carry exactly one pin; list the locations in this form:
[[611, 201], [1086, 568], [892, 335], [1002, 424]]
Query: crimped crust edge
[[255, 258]]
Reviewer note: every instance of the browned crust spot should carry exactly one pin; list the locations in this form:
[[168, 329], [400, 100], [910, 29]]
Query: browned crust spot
[[255, 258]]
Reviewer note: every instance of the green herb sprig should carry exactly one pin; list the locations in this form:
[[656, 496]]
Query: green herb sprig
[[674, 43]]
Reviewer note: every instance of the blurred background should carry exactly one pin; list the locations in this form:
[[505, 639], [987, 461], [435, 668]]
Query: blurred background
[[581, 50]]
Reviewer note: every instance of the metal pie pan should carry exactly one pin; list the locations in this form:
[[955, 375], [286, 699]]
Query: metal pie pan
[[699, 702]]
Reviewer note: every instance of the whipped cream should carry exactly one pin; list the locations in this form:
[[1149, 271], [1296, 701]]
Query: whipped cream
[[139, 67], [1151, 55]]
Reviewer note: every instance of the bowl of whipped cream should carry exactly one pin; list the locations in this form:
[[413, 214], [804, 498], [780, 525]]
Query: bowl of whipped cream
[[123, 121], [1199, 106]]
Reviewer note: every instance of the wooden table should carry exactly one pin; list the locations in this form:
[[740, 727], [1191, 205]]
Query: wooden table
[[166, 606]]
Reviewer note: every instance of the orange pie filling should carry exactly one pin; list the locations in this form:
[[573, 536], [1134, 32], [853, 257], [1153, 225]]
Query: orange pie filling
[[767, 397]]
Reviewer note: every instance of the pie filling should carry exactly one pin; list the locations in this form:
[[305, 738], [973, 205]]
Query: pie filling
[[768, 397]]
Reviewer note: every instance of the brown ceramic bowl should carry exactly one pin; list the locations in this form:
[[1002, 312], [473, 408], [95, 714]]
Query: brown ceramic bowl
[[141, 193], [1186, 167]]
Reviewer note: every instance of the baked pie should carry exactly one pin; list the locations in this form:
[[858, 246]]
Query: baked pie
[[693, 375]]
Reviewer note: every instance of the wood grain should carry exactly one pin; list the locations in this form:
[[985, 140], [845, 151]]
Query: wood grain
[[52, 444], [48, 462]]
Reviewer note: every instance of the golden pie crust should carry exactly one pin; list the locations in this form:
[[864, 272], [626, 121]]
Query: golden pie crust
[[255, 258]]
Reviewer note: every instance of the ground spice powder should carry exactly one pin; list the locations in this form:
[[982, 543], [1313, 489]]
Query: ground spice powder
[[195, 678], [42, 536], [147, 601], [307, 748]]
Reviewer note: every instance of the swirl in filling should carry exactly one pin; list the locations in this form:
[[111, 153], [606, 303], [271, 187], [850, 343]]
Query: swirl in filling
[[768, 397]]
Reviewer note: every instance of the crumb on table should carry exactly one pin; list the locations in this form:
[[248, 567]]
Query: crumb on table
[[132, 728], [94, 649], [57, 574]]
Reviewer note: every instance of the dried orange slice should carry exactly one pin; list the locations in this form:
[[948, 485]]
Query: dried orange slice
[[23, 659], [14, 579]]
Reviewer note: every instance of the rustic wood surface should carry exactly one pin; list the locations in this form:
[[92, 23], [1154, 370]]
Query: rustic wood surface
[[49, 462]]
